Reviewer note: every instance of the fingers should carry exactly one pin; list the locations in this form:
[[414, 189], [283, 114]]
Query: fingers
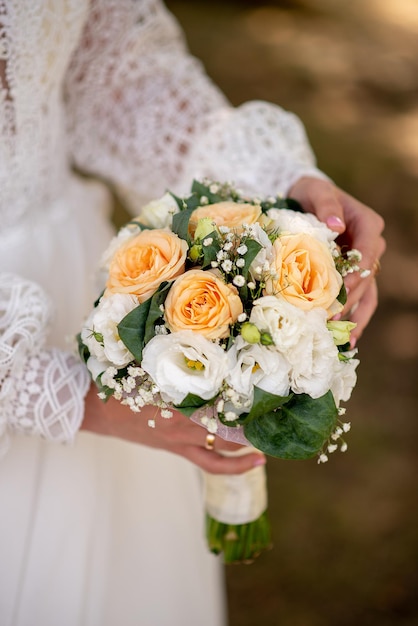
[[217, 456], [362, 312], [366, 230], [360, 228], [327, 207], [321, 198], [372, 251], [183, 437]]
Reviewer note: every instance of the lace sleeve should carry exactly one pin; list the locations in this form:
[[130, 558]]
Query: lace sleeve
[[41, 390], [142, 113]]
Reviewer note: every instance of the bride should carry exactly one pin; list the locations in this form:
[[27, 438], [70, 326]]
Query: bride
[[109, 529]]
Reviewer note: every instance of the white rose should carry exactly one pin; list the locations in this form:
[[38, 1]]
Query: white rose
[[344, 378], [293, 222], [314, 358], [256, 365], [100, 332], [284, 321], [159, 213], [185, 362]]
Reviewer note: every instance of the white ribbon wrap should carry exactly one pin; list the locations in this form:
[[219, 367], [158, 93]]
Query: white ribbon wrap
[[237, 498]]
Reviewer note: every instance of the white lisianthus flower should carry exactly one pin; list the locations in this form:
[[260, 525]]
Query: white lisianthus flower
[[284, 321], [100, 332], [293, 222], [344, 378], [185, 362], [256, 365], [125, 233], [314, 358], [96, 367], [159, 213]]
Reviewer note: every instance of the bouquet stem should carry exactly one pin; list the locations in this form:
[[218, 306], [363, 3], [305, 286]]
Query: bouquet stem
[[239, 543], [237, 523]]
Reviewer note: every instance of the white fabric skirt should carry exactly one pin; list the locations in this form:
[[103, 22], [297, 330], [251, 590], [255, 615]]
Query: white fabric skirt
[[101, 532]]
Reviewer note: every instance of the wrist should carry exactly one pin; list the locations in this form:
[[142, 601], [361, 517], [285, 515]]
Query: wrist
[[95, 414]]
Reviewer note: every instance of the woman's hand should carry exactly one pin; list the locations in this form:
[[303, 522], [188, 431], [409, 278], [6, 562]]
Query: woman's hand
[[176, 434], [360, 227]]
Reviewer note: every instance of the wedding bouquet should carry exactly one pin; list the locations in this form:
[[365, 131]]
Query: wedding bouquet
[[220, 306]]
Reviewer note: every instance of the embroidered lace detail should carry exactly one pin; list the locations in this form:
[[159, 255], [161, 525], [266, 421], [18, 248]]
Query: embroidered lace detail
[[143, 114], [41, 391], [36, 42], [259, 147]]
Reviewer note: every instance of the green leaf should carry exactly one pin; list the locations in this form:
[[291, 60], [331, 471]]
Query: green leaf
[[210, 252], [253, 248], [141, 225], [131, 329], [155, 312], [263, 403], [190, 404], [281, 203], [83, 350], [342, 296], [290, 203], [180, 224], [199, 189], [297, 430], [98, 299], [180, 201]]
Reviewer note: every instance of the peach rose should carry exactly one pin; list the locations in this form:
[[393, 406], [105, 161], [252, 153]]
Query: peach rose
[[202, 302], [231, 214], [141, 264], [303, 272]]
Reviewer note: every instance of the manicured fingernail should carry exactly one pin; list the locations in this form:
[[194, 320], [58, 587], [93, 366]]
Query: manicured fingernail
[[333, 221], [337, 317], [353, 343], [260, 460]]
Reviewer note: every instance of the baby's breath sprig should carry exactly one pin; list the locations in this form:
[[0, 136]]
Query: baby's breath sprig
[[133, 388], [347, 262], [336, 440]]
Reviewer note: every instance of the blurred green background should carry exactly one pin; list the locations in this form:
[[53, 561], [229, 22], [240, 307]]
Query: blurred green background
[[345, 533]]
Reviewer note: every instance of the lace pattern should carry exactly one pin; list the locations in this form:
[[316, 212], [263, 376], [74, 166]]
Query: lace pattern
[[41, 391], [36, 42], [259, 147], [142, 113]]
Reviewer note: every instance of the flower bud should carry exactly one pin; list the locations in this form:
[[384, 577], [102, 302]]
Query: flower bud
[[250, 333], [195, 252], [204, 227], [340, 331], [266, 339]]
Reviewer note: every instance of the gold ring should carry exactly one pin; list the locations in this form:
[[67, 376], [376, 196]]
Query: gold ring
[[376, 267], [210, 441]]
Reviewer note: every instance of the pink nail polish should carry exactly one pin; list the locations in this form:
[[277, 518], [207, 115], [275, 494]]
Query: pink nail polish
[[260, 460], [333, 221]]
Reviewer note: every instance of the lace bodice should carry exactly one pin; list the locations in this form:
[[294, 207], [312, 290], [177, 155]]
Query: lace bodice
[[107, 85]]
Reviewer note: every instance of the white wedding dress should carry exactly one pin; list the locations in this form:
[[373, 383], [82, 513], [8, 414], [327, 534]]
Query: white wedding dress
[[101, 532]]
